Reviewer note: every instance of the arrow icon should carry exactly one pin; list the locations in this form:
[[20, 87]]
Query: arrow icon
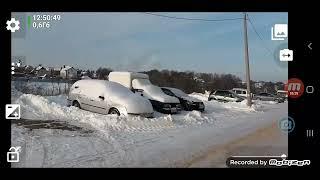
[[286, 55], [309, 46]]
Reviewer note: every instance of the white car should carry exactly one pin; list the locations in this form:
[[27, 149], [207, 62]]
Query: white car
[[107, 97], [140, 84], [225, 96], [241, 92]]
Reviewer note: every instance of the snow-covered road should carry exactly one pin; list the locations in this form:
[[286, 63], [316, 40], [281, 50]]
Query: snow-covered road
[[163, 141]]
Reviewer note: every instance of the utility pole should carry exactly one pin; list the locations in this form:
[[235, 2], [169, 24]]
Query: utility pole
[[246, 58]]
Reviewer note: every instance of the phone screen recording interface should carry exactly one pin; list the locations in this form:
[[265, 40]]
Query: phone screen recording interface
[[114, 89]]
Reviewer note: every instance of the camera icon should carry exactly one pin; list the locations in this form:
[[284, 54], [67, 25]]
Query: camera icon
[[287, 125], [13, 154], [286, 55]]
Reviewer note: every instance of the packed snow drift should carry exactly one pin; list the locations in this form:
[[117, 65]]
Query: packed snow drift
[[162, 141]]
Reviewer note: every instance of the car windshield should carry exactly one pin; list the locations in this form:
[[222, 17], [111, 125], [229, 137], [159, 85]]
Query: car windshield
[[145, 84], [117, 89], [167, 91], [178, 92]]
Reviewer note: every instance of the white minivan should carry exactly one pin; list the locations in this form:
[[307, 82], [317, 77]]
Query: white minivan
[[241, 92], [107, 97], [140, 83]]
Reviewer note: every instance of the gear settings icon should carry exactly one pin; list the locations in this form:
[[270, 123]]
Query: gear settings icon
[[13, 25]]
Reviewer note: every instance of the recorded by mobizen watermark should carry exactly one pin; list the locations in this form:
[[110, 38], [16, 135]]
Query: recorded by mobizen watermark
[[285, 162], [244, 162]]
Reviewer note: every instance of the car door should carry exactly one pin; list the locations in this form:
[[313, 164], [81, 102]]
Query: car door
[[84, 98], [270, 97], [229, 97], [219, 95], [244, 94], [98, 101], [264, 97], [259, 96]]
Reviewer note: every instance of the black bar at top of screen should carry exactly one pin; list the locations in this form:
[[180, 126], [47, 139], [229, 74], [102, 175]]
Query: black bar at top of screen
[[158, 6]]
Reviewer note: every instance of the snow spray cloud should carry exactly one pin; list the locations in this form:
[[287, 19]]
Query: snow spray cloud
[[147, 61]]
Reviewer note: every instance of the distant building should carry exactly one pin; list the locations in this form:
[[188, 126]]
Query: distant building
[[40, 71], [68, 72], [198, 79], [28, 69], [54, 72], [85, 77], [259, 85]]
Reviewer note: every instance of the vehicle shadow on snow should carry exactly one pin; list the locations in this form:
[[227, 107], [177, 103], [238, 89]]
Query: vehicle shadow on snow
[[49, 124]]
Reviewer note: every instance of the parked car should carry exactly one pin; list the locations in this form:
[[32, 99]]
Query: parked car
[[188, 103], [107, 97], [268, 97], [241, 92], [225, 96], [139, 83], [283, 93]]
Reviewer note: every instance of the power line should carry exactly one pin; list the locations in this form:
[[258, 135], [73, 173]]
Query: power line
[[192, 19], [262, 41]]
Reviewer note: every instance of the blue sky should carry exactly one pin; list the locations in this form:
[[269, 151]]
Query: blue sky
[[138, 41]]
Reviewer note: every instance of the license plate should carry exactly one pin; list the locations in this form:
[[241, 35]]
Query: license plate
[[201, 106], [173, 110]]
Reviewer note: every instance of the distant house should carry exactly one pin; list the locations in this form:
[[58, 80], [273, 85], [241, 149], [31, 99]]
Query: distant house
[[54, 72], [68, 72], [40, 71], [198, 79], [85, 77], [259, 85], [28, 69]]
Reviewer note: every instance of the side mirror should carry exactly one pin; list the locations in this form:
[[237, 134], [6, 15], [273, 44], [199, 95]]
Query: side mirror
[[101, 97], [138, 90]]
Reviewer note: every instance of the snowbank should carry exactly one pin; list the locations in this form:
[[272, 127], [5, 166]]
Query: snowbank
[[166, 140], [202, 97]]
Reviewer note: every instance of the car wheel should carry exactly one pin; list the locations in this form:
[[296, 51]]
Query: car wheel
[[114, 111], [76, 104], [215, 99], [187, 107]]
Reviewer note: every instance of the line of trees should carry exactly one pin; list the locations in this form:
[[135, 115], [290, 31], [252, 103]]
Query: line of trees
[[190, 81], [193, 82], [187, 81]]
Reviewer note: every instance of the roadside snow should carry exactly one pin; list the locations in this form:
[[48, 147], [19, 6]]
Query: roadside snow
[[202, 97], [166, 140]]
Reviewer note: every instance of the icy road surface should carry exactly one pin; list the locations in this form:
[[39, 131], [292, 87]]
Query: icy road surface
[[110, 141]]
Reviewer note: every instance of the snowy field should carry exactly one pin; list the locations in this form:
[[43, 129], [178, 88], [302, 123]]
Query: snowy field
[[111, 141], [41, 88]]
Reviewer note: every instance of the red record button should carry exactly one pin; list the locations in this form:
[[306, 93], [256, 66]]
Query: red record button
[[294, 87]]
